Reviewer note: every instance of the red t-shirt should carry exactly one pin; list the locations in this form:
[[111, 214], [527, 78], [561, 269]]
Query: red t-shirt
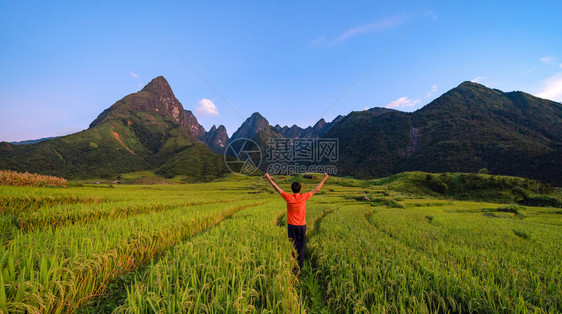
[[296, 207]]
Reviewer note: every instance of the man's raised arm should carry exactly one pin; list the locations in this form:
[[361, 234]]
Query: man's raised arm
[[273, 184], [317, 188]]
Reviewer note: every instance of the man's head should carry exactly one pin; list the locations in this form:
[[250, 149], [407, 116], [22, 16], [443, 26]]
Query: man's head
[[296, 187]]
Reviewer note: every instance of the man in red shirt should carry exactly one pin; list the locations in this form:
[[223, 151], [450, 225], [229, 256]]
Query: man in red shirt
[[296, 213]]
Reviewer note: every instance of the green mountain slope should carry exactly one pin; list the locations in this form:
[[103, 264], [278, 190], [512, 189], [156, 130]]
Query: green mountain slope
[[370, 141], [196, 163], [473, 127], [94, 152], [466, 129], [142, 131]]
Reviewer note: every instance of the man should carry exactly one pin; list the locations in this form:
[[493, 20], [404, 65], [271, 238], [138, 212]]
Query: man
[[296, 213]]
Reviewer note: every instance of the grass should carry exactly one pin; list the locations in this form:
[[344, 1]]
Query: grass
[[222, 247], [8, 177]]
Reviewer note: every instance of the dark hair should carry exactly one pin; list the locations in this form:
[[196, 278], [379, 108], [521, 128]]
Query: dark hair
[[296, 187]]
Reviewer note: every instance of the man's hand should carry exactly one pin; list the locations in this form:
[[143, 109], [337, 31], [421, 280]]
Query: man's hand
[[273, 184], [317, 188]]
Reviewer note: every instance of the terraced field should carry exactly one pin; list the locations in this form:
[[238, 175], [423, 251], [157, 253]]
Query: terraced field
[[223, 247]]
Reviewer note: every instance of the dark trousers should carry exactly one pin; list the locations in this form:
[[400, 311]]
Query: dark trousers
[[297, 234]]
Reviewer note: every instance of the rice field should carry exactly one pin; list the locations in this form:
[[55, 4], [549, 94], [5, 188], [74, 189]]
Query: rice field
[[223, 247], [8, 177]]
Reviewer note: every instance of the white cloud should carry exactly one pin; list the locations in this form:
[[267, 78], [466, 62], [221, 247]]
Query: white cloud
[[133, 74], [478, 79], [368, 28], [318, 41], [547, 59], [552, 88], [402, 102], [431, 91], [561, 65], [207, 107], [429, 13]]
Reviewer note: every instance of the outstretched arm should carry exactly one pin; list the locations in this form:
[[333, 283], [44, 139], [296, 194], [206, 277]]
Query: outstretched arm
[[317, 188], [273, 184]]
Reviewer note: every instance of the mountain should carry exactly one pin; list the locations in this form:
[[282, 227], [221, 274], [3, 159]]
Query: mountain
[[33, 141], [473, 126], [370, 140], [216, 139], [468, 128], [254, 124], [154, 105], [142, 131], [310, 132], [193, 125]]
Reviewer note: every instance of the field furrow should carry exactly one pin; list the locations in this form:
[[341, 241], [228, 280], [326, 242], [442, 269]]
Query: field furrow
[[57, 270], [412, 276], [241, 265], [57, 217], [311, 285], [488, 252]]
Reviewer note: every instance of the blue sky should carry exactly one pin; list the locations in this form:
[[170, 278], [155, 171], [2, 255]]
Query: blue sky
[[62, 64]]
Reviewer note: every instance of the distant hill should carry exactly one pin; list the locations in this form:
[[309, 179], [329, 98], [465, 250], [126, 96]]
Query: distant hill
[[310, 132], [27, 142]]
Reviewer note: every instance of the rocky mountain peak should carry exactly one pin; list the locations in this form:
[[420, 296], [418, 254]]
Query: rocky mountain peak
[[158, 105], [159, 86], [216, 138], [196, 129], [255, 123], [320, 124]]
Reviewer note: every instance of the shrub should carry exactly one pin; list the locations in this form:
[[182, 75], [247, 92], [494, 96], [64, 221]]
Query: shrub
[[388, 202], [541, 200]]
